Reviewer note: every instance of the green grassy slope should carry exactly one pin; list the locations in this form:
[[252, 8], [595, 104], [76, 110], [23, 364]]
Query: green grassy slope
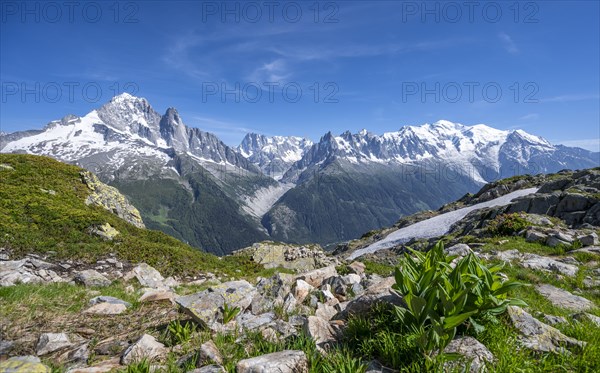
[[32, 220]]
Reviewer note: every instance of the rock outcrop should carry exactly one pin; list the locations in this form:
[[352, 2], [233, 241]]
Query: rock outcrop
[[110, 199], [300, 258]]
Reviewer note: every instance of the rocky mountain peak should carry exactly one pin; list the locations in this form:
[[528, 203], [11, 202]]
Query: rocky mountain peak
[[131, 114], [273, 155]]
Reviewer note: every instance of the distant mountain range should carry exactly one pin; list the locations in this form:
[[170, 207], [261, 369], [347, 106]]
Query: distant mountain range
[[188, 183]]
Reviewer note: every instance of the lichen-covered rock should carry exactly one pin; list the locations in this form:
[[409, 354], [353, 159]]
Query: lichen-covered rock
[[110, 199], [300, 258], [105, 231], [325, 311], [564, 299], [538, 336], [287, 361], [248, 321], [23, 364]]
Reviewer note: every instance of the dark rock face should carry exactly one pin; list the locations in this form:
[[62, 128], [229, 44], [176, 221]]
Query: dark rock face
[[574, 198]]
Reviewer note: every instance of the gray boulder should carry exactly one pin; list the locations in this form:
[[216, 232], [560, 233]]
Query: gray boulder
[[553, 320], [564, 299], [90, 278], [535, 236], [248, 321], [357, 268], [209, 353], [590, 239], [50, 342], [147, 347], [108, 299], [206, 306], [544, 263], [147, 276], [538, 336], [376, 293], [460, 249], [316, 277], [320, 331], [473, 352], [287, 361], [587, 316], [106, 308], [572, 202]]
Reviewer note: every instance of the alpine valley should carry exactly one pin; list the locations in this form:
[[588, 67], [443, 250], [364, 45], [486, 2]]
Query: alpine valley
[[190, 185]]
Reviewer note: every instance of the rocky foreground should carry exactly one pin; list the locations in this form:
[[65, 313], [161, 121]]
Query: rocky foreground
[[316, 303], [88, 302]]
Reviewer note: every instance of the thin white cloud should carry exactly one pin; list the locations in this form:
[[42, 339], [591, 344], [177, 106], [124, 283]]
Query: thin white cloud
[[571, 98], [274, 71], [589, 144], [508, 43], [328, 52], [530, 116]]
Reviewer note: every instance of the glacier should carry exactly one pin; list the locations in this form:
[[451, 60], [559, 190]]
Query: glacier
[[437, 225]]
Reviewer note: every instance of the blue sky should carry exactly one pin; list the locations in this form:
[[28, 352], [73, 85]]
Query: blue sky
[[374, 65]]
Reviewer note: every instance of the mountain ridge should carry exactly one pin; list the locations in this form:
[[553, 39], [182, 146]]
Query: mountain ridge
[[188, 183]]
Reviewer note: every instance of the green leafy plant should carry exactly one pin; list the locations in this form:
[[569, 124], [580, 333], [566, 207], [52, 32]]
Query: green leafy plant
[[507, 225], [342, 361], [439, 297], [142, 366], [229, 313], [178, 332]]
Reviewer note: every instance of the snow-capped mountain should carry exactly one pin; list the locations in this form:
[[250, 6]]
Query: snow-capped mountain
[[188, 183], [482, 152], [273, 155], [122, 135]]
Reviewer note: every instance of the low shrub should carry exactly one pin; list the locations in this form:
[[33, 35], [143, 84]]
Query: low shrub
[[507, 225]]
